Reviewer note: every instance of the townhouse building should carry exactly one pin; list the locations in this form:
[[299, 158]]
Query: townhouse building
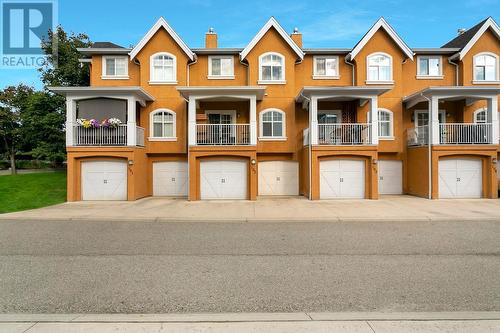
[[275, 118]]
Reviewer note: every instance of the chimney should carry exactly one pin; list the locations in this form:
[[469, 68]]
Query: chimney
[[297, 37], [211, 39], [461, 31]]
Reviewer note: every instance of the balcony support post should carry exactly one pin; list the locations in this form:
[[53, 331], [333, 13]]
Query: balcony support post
[[70, 120], [374, 120], [131, 116], [253, 120], [192, 121], [434, 120], [313, 120], [492, 116]]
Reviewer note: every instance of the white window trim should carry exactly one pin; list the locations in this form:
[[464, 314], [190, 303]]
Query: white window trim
[[391, 122], [390, 81], [151, 68], [430, 77], [261, 126], [230, 112], [151, 125], [326, 77], [416, 112], [105, 76], [220, 77], [261, 81], [479, 111], [496, 81]]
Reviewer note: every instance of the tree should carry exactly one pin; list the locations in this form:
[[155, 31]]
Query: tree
[[63, 68], [12, 103]]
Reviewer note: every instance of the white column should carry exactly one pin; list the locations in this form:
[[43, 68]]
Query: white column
[[434, 120], [374, 119], [253, 120], [131, 124], [192, 121], [313, 120], [70, 120], [492, 116]]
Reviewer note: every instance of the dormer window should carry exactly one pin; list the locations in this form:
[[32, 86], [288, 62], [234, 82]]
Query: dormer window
[[163, 68], [379, 68], [429, 67], [271, 68], [485, 68], [114, 67]]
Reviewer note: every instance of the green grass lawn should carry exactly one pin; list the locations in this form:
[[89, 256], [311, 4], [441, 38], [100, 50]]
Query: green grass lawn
[[28, 191]]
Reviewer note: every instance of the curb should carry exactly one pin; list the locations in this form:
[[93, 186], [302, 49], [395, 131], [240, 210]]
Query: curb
[[250, 317]]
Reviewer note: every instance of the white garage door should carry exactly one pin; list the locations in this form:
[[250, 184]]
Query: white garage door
[[223, 179], [104, 180], [390, 177], [460, 178], [170, 179], [342, 179], [278, 178]]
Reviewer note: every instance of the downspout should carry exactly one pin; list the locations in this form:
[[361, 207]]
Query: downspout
[[456, 70], [429, 146], [188, 69], [310, 151], [187, 125], [353, 72]]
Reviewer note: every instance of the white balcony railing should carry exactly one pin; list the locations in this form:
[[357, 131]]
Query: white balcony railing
[[468, 133], [344, 134], [418, 136], [105, 136], [222, 134]]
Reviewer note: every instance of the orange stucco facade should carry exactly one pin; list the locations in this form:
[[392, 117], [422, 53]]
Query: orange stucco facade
[[298, 73]]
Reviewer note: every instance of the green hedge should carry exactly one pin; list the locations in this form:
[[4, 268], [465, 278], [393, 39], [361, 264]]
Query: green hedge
[[27, 164]]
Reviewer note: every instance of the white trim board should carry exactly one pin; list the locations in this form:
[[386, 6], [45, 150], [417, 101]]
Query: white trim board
[[381, 23], [161, 23], [272, 23]]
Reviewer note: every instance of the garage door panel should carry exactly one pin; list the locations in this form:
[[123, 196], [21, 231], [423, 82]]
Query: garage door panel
[[460, 178], [104, 180], [330, 184], [342, 179], [170, 178], [278, 178], [390, 174], [222, 179]]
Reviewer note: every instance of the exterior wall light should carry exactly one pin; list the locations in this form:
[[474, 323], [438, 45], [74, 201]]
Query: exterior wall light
[[253, 161]]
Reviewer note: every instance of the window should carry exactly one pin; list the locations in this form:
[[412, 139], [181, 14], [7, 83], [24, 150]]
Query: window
[[429, 66], [326, 67], [486, 67], [220, 67], [272, 124], [480, 116], [162, 124], [272, 68], [163, 68], [379, 68], [115, 67], [385, 123]]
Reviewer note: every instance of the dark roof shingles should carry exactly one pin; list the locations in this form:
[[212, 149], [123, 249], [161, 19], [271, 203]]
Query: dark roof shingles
[[461, 40], [106, 45]]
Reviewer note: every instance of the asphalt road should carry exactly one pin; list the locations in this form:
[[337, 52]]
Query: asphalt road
[[146, 267]]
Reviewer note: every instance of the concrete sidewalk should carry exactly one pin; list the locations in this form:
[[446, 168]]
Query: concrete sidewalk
[[290, 209], [457, 322]]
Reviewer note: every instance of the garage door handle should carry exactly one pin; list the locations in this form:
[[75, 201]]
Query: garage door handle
[[173, 179], [341, 180], [381, 178], [278, 179], [222, 180], [458, 179], [105, 181]]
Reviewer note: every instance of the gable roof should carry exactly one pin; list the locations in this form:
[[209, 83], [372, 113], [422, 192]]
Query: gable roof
[[466, 40], [272, 23], [381, 23], [105, 45], [161, 23]]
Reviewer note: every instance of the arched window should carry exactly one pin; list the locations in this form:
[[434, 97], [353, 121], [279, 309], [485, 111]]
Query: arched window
[[385, 123], [379, 67], [272, 68], [486, 67], [272, 123], [163, 68], [162, 124], [480, 116]]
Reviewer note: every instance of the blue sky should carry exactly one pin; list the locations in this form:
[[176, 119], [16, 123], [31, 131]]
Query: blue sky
[[323, 23]]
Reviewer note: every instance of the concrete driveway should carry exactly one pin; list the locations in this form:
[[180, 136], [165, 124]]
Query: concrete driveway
[[288, 209]]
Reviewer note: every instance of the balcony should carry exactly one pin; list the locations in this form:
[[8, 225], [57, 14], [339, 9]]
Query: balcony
[[105, 136], [345, 134], [453, 134], [223, 134]]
